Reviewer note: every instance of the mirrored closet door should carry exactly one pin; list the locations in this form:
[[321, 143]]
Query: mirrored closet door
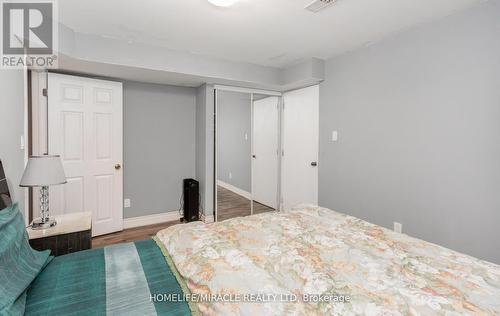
[[247, 153], [234, 147]]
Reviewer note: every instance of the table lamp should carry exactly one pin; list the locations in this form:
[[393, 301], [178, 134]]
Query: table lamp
[[43, 171]]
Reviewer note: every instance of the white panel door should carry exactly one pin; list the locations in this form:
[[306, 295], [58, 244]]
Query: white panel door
[[85, 128], [301, 147], [265, 151]]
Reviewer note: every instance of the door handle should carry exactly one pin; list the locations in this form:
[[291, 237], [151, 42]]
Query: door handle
[[253, 156], [118, 166], [314, 163]]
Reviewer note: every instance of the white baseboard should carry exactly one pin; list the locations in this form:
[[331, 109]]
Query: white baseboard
[[150, 219], [234, 189], [207, 219]]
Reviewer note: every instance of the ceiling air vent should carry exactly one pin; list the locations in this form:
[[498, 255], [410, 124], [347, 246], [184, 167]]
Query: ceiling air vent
[[318, 5]]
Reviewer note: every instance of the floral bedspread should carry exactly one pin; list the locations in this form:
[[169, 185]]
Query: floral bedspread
[[314, 261]]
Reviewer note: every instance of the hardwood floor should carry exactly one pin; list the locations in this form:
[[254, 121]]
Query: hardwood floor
[[130, 235], [259, 208], [230, 205]]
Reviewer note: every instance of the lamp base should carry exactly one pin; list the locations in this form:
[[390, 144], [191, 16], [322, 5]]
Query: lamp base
[[38, 224]]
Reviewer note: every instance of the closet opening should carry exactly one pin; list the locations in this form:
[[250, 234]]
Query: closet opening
[[247, 152]]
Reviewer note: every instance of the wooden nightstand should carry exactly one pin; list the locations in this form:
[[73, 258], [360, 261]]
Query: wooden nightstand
[[72, 233]]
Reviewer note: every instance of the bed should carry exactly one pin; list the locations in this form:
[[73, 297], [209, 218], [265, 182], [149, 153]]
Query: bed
[[314, 261], [115, 280], [308, 261]]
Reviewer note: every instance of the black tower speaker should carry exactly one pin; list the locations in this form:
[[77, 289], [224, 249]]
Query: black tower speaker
[[191, 200]]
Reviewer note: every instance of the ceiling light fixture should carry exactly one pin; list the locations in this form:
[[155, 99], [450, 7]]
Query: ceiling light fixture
[[223, 3]]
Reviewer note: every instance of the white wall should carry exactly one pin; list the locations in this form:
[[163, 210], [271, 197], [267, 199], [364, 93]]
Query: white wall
[[11, 130], [205, 147], [200, 165], [89, 53], [418, 116]]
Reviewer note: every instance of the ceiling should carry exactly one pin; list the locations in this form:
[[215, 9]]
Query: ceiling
[[275, 33]]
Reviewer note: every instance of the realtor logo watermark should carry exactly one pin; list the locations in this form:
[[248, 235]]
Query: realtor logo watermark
[[29, 34]]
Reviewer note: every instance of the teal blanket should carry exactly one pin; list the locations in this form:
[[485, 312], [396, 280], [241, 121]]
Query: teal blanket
[[19, 264], [116, 280]]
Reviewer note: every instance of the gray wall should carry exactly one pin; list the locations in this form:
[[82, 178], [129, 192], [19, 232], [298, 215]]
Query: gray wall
[[418, 116], [234, 111], [11, 130], [159, 145]]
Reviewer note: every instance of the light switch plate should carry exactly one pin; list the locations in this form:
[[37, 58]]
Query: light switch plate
[[126, 203]]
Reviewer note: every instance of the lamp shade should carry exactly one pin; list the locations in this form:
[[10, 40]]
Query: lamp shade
[[43, 171]]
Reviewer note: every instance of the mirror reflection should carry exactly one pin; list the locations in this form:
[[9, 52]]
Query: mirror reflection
[[247, 140], [234, 145]]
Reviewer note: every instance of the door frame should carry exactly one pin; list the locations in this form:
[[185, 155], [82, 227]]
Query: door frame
[[37, 111], [38, 138], [250, 91], [115, 107]]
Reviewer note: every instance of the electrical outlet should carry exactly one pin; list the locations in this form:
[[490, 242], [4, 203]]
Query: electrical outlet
[[398, 227], [230, 175], [126, 203], [335, 136]]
